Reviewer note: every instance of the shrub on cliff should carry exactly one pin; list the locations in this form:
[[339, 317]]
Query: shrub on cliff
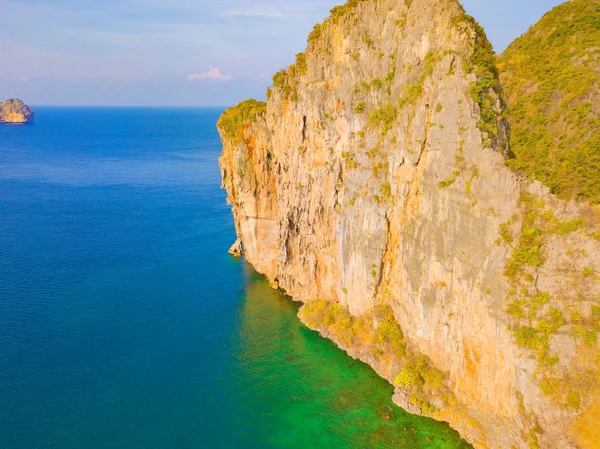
[[550, 77], [233, 121]]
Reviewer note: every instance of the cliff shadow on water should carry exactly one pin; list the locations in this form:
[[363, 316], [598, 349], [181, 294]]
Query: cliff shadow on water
[[310, 391]]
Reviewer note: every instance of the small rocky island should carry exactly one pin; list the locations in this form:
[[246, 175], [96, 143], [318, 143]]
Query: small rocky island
[[15, 111]]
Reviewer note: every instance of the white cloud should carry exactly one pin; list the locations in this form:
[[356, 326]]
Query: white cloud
[[212, 75]]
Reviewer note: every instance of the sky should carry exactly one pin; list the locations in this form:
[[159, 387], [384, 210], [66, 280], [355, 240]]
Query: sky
[[177, 52]]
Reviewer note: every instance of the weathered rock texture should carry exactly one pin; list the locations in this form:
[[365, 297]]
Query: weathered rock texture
[[15, 111], [376, 177]]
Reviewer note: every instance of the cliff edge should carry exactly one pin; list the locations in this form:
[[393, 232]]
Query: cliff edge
[[373, 186], [15, 111]]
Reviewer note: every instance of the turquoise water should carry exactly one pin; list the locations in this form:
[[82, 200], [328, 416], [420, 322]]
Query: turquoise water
[[125, 324]]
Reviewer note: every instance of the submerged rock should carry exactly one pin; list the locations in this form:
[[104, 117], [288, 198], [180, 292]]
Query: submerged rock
[[15, 111]]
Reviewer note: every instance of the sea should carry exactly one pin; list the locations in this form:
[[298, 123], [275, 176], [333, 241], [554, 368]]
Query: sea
[[125, 324]]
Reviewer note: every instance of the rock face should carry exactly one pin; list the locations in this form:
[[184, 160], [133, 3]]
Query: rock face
[[374, 180], [15, 111]]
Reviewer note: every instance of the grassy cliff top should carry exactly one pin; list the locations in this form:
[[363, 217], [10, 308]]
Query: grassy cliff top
[[233, 120], [551, 79]]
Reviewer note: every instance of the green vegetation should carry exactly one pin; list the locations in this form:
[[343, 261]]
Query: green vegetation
[[409, 377], [380, 169], [316, 32], [486, 90], [505, 234], [574, 399], [351, 163], [379, 332], [460, 166], [340, 11], [418, 373], [235, 119], [447, 182], [383, 118], [549, 76], [336, 15], [533, 439], [389, 333], [538, 224], [389, 78], [301, 63], [469, 185], [538, 316], [360, 107], [386, 189], [413, 91], [422, 380], [287, 82], [411, 94], [374, 152], [367, 40], [377, 84]]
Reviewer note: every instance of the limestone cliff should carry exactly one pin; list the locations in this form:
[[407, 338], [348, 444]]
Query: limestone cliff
[[15, 111], [373, 187]]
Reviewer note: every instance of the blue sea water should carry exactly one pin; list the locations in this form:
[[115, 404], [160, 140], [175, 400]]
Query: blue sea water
[[125, 324]]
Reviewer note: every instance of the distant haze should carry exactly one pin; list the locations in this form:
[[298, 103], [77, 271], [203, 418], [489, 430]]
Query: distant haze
[[176, 52]]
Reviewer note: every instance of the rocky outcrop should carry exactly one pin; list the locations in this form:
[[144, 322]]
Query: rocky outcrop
[[237, 249], [15, 111], [373, 187]]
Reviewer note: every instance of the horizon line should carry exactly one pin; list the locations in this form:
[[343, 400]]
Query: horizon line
[[129, 106]]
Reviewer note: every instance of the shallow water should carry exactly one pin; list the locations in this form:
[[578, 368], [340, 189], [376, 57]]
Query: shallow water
[[125, 324]]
